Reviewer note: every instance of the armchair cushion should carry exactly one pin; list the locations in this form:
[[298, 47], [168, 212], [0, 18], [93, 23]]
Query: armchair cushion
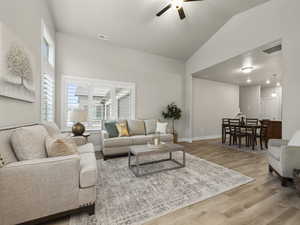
[[87, 148], [88, 170], [51, 128], [29, 142], [60, 146]]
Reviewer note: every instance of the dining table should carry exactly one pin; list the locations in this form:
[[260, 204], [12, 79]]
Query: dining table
[[254, 128]]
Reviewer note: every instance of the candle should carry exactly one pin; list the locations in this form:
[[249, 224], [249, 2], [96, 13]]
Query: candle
[[156, 141]]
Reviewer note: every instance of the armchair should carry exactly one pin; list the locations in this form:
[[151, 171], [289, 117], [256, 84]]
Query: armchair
[[39, 190], [284, 157]]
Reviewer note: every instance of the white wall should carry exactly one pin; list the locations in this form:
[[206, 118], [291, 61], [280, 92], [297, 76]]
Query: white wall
[[212, 101], [271, 105], [277, 19], [159, 80], [24, 18], [250, 101]]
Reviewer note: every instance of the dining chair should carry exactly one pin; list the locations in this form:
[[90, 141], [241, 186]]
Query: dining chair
[[236, 132], [251, 123], [263, 135], [225, 129]]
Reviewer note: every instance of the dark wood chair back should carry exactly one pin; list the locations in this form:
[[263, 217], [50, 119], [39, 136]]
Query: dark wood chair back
[[233, 125], [251, 121]]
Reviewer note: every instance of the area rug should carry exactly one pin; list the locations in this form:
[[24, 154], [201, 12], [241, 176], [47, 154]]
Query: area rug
[[123, 198]]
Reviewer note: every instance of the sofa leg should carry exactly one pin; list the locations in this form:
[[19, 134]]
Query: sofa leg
[[91, 210]]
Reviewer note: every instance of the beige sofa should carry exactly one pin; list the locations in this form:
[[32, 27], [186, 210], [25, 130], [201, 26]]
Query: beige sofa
[[38, 190], [120, 145]]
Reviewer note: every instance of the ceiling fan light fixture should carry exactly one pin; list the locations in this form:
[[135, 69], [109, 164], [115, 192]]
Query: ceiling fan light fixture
[[177, 4], [249, 80]]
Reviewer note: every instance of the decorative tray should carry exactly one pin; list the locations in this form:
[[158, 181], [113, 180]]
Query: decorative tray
[[161, 145]]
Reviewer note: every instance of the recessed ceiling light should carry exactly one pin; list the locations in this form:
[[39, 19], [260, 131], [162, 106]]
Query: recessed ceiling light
[[247, 69], [278, 84], [274, 95], [249, 80], [268, 82], [102, 37]]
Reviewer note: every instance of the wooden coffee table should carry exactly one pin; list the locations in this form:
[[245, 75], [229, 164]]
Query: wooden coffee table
[[139, 151]]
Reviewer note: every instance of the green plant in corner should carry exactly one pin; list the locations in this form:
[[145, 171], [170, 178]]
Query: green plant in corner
[[173, 113]]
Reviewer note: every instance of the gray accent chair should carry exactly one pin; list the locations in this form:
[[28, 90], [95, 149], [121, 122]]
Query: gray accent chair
[[284, 157], [118, 146], [39, 190]]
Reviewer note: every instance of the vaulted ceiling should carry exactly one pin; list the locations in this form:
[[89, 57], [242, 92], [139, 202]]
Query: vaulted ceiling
[[133, 24]]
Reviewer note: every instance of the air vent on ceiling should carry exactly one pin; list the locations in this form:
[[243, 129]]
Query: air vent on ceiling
[[273, 49]]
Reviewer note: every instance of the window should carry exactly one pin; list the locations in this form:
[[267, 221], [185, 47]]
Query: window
[[100, 100], [47, 77]]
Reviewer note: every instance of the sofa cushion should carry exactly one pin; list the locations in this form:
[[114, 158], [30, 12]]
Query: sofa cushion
[[51, 128], [166, 137], [87, 148], [59, 146], [150, 126], [116, 142], [136, 127], [122, 129], [111, 129], [29, 142], [88, 170], [161, 127], [141, 139]]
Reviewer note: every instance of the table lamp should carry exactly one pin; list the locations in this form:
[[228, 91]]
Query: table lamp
[[78, 116]]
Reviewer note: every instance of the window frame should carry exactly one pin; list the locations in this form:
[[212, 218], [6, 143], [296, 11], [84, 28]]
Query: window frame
[[84, 80], [47, 69]]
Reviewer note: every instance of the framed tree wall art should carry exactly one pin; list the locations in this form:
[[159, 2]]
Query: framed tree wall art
[[17, 67]]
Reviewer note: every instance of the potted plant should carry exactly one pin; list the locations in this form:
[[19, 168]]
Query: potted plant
[[172, 113]]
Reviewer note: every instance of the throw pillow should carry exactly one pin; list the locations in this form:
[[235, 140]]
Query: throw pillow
[[60, 146], [161, 127], [150, 126], [29, 142], [111, 129], [136, 127], [122, 129], [51, 128], [2, 162]]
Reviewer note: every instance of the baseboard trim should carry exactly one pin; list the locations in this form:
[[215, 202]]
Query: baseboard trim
[[206, 137], [190, 140]]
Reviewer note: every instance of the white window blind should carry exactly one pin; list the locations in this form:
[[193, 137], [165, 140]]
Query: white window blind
[[47, 95]]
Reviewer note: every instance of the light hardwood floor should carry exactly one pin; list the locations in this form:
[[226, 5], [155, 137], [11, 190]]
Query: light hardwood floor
[[262, 202]]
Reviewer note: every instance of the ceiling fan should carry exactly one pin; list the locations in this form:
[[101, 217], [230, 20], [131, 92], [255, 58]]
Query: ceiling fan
[[177, 4]]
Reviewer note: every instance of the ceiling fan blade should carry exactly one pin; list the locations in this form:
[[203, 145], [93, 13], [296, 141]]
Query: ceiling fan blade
[[164, 10], [181, 13], [193, 0]]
